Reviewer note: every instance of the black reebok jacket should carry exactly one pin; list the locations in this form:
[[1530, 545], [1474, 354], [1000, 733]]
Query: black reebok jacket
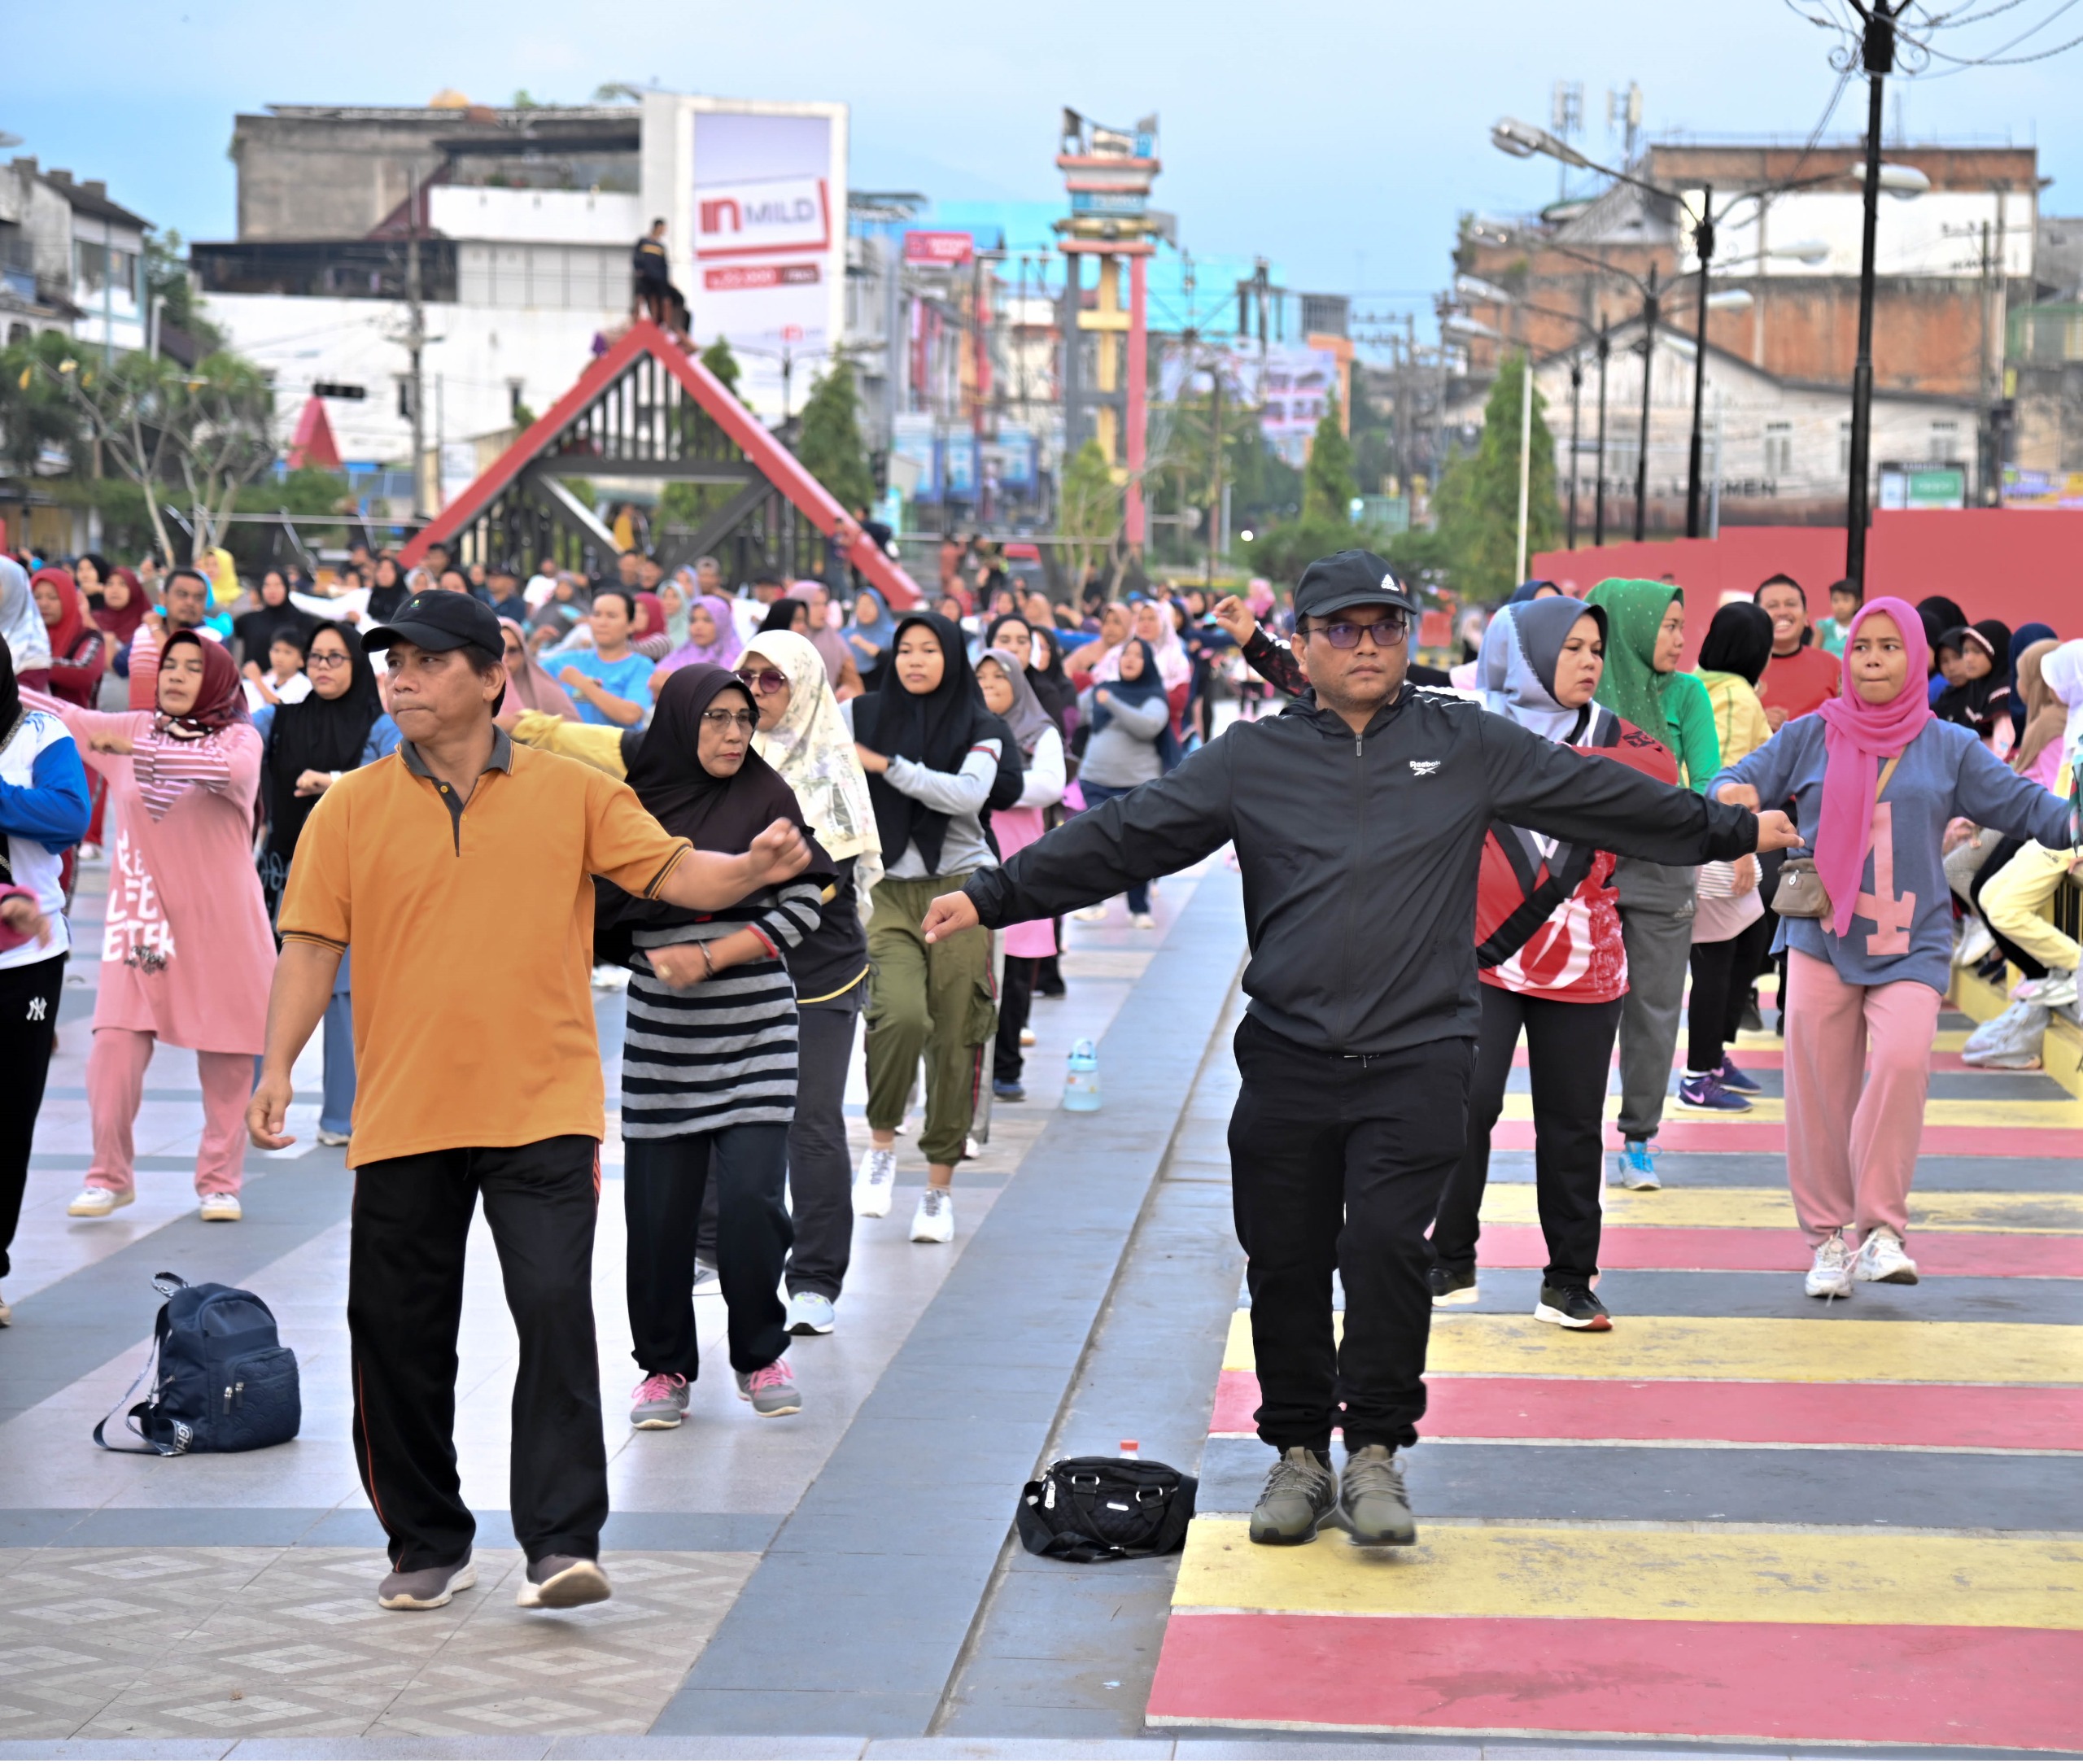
[[1359, 853]]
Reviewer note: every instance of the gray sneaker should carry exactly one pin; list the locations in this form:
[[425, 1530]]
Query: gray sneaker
[[425, 1589], [558, 1583], [771, 1390], [1300, 1492], [659, 1401], [1377, 1509]]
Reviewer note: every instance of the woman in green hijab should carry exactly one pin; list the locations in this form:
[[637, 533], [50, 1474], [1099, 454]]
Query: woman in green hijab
[[1646, 621], [1645, 631]]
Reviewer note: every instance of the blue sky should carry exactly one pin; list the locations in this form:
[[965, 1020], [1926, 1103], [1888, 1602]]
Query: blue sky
[[1340, 139]]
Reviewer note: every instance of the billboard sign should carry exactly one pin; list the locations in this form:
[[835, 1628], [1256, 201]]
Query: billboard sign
[[754, 195], [2041, 490], [947, 250]]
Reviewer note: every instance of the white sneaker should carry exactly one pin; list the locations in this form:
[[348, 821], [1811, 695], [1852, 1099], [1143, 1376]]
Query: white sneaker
[[934, 1221], [224, 1208], [809, 1313], [99, 1202], [327, 1137], [1027, 1037], [1831, 1278], [89, 853], [2056, 989], [607, 977], [6, 1313], [1976, 942], [1090, 916], [1144, 921], [872, 1185], [1882, 1258]]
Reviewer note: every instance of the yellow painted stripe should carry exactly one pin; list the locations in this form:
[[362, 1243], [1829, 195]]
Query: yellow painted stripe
[[1513, 1203], [1704, 1575], [1939, 1112], [1776, 1349]]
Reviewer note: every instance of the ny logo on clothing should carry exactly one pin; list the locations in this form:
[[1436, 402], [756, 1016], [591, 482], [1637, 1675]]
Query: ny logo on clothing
[[1891, 913], [37, 1008]]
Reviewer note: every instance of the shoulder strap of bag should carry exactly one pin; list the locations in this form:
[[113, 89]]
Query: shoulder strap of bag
[[167, 1285], [1887, 771]]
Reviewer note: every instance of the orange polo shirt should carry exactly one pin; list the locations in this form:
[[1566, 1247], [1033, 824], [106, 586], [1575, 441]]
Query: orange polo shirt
[[472, 927]]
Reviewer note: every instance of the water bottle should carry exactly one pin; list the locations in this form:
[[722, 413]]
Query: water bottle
[[1132, 1448], [1081, 1087]]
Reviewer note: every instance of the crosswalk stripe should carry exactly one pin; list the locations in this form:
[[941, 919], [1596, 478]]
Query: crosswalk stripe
[[1806, 1351], [2006, 1255], [1993, 1113], [1763, 1208], [1706, 1572]]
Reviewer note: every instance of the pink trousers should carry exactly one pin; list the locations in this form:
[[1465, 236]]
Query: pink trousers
[[1852, 1148], [115, 1087]]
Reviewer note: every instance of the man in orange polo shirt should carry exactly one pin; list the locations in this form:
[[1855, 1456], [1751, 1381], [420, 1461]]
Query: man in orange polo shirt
[[461, 869]]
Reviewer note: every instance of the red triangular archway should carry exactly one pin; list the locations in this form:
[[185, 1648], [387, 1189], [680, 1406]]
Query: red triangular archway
[[314, 445], [646, 408]]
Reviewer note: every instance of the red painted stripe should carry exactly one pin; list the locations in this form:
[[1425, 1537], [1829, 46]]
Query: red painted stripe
[[1683, 1133], [1881, 1683], [2014, 1418], [1750, 1250]]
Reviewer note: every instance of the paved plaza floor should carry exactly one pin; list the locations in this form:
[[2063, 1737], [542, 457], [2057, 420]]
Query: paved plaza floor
[[1739, 1523]]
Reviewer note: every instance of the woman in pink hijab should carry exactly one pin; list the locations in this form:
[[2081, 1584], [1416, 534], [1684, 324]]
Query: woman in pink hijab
[[1875, 779]]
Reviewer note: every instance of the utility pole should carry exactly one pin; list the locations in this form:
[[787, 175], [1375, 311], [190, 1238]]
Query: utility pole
[[1598, 494], [1877, 55], [1649, 308], [1216, 522], [415, 339], [1576, 409], [1525, 460], [1703, 240]]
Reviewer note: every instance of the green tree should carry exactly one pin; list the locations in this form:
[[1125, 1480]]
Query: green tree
[[1327, 484], [719, 361], [167, 281], [1089, 508], [1478, 501], [38, 418], [829, 441]]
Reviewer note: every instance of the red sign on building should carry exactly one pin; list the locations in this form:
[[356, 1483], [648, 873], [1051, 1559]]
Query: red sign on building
[[949, 250]]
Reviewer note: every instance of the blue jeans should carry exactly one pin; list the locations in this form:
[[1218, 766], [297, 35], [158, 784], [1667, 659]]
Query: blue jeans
[[1094, 795], [336, 1108]]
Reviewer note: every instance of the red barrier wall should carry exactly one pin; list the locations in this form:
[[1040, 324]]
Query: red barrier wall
[[2016, 565]]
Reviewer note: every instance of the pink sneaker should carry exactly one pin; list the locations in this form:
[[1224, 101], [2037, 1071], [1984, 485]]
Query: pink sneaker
[[659, 1401], [771, 1390]]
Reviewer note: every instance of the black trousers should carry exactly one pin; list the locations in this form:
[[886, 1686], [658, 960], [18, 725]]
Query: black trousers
[[412, 1221], [1721, 974], [1338, 1162], [29, 1026], [820, 1170], [1569, 1053], [1015, 1005], [662, 1184]]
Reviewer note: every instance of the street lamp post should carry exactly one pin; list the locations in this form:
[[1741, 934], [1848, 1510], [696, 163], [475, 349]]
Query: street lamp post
[[1703, 240], [1576, 408], [1651, 303], [1877, 53], [1598, 495]]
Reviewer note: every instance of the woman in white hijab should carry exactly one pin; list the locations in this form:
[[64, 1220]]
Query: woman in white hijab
[[802, 736]]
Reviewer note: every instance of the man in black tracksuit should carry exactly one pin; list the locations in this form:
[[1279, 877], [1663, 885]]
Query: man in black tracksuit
[[1358, 824]]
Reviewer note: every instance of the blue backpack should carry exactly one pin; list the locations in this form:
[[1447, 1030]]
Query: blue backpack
[[221, 1379]]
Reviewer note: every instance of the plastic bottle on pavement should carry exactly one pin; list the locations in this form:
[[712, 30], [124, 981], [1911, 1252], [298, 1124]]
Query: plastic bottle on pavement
[[1081, 1087]]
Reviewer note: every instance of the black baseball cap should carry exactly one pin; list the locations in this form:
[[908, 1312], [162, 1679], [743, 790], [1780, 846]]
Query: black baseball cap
[[1349, 579], [440, 618]]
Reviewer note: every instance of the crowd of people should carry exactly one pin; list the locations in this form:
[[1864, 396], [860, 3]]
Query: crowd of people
[[798, 812]]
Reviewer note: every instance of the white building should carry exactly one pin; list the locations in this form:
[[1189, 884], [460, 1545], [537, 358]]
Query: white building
[[70, 259]]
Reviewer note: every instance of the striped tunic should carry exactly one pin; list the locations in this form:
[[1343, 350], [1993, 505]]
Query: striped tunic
[[722, 1053]]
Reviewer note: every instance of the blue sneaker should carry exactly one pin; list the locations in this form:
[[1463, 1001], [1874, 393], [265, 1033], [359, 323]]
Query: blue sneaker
[[1705, 1094], [1734, 1077], [1635, 1166]]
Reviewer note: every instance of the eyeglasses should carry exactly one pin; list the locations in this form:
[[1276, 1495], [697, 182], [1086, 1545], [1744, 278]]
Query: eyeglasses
[[763, 681], [725, 719], [326, 658], [1387, 632]]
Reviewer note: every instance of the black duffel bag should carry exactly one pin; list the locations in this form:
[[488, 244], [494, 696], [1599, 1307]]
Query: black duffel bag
[[1106, 1510]]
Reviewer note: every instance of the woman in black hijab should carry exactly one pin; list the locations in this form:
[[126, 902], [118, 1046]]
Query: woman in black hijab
[[708, 1055], [931, 748], [256, 630], [1976, 660], [1939, 615], [339, 726]]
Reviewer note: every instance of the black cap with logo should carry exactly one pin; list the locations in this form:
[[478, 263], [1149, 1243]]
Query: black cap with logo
[[1349, 579], [440, 618]]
